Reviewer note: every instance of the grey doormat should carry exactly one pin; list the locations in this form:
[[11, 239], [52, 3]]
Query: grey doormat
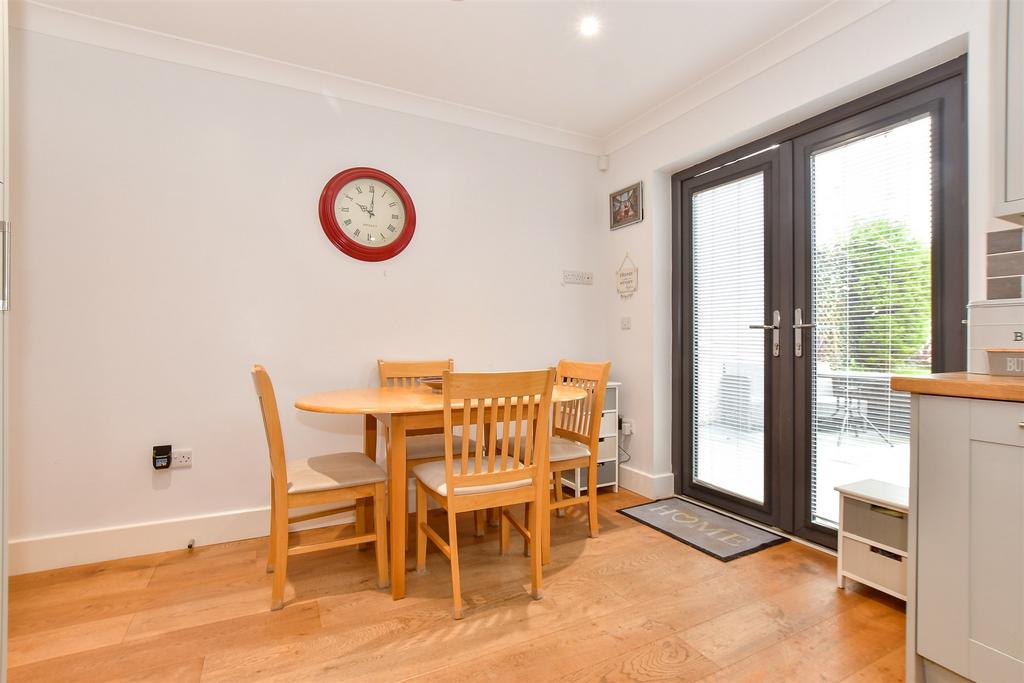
[[706, 530]]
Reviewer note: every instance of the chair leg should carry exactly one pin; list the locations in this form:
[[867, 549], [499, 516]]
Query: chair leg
[[526, 521], [380, 528], [544, 526], [559, 493], [505, 528], [494, 516], [453, 546], [421, 534], [272, 539], [280, 554], [479, 521], [362, 512], [536, 552], [592, 498]]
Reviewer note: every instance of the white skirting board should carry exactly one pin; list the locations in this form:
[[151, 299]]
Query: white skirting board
[[650, 485], [40, 553], [110, 543]]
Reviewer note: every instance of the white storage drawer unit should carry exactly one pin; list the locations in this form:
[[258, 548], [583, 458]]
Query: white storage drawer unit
[[607, 451], [872, 538]]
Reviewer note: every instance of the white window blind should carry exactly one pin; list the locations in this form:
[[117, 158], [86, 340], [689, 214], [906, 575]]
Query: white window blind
[[871, 297], [728, 357]]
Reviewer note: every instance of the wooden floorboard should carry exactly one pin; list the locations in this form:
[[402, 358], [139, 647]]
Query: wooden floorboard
[[630, 605]]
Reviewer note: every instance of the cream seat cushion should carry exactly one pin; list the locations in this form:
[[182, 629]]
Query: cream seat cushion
[[563, 449], [432, 476], [566, 449], [432, 445], [334, 471]]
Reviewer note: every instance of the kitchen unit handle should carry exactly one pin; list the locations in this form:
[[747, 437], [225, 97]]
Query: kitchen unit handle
[[774, 327], [798, 335]]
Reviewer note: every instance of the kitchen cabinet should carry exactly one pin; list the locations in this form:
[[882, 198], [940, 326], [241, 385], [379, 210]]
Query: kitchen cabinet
[[965, 589], [1009, 90]]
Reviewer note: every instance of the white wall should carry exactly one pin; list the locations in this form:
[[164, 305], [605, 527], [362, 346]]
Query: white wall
[[885, 46], [167, 238]]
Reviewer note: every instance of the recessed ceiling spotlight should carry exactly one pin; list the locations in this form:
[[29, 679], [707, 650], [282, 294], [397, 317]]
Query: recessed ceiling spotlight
[[590, 26]]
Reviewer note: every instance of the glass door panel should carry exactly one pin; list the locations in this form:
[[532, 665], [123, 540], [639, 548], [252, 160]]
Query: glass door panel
[[871, 295], [728, 357]]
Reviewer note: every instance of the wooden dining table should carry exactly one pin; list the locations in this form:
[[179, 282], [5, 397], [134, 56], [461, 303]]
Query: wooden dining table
[[404, 410]]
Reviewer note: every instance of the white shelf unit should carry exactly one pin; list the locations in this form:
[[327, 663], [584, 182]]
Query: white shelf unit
[[873, 536], [607, 451]]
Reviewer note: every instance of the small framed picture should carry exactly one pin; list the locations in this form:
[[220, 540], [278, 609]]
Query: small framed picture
[[626, 206]]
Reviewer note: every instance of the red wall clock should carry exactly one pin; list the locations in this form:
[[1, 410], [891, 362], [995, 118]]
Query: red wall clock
[[367, 214]]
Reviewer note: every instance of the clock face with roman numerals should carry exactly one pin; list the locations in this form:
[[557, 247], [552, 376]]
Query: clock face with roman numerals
[[367, 214]]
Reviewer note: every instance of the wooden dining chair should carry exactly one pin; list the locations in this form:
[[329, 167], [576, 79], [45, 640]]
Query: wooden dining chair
[[421, 445], [424, 445], [472, 479], [576, 433], [319, 480]]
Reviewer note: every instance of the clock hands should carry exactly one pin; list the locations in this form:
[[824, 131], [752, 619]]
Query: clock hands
[[367, 210], [373, 200]]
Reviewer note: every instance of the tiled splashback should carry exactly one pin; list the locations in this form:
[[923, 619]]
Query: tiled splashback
[[1005, 250]]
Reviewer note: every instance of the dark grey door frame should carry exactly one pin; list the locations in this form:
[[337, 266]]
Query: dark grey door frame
[[786, 465]]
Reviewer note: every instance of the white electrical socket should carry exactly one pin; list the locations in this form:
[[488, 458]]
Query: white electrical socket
[[181, 457], [626, 323], [577, 277], [627, 426]]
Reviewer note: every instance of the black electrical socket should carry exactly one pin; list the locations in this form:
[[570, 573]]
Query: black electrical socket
[[161, 457]]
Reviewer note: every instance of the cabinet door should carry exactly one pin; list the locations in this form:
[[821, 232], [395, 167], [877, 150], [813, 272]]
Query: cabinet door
[[996, 561], [942, 515], [1015, 102]]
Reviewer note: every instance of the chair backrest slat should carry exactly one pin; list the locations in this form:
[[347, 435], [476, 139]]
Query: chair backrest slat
[[465, 443], [407, 373], [271, 423], [519, 403], [531, 434], [581, 420]]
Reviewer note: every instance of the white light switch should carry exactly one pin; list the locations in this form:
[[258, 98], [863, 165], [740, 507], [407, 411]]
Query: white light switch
[[577, 277], [627, 323]]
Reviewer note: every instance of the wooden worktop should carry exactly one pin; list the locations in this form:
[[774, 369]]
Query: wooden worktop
[[962, 384]]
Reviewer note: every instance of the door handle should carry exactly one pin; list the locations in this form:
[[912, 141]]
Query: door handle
[[798, 335], [774, 327]]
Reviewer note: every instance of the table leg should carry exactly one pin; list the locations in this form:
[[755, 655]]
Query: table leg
[[370, 437], [399, 506], [370, 450]]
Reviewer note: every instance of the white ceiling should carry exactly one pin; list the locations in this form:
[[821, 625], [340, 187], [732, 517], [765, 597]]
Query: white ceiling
[[524, 60]]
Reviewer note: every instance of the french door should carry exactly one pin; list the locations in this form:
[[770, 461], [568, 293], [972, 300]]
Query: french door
[[809, 271], [735, 364]]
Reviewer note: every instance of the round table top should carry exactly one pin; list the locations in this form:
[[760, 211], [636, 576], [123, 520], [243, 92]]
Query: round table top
[[391, 400]]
